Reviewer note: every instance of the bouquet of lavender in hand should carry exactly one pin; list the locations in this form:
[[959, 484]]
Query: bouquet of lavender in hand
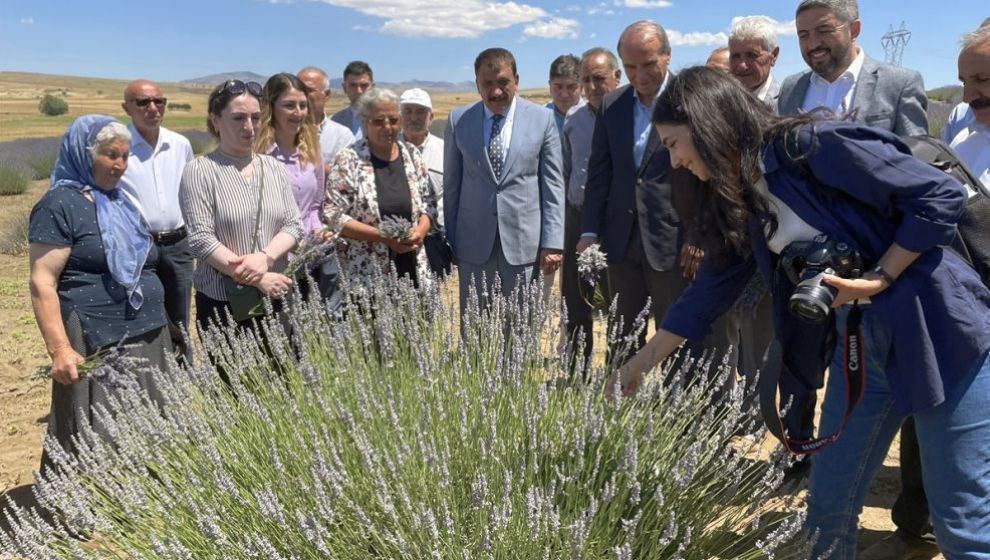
[[591, 263], [395, 227], [106, 367], [314, 250]]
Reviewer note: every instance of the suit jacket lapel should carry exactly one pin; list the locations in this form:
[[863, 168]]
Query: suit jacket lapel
[[652, 145], [475, 141], [866, 85], [517, 132], [792, 105], [624, 107]]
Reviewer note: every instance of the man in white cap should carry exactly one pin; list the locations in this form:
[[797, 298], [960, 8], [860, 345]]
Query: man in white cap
[[417, 114]]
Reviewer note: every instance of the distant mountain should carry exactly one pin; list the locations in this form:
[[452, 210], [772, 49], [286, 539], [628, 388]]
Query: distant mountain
[[214, 79]]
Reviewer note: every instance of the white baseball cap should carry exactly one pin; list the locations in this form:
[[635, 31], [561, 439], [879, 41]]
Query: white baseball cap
[[416, 96]]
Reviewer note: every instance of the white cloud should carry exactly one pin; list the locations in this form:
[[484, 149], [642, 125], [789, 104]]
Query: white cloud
[[556, 28], [696, 38], [27, 21], [644, 3], [781, 27], [602, 11], [443, 18]]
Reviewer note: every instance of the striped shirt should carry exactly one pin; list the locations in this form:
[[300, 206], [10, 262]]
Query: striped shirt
[[219, 208]]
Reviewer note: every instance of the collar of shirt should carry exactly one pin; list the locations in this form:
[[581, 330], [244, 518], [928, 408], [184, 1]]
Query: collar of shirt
[[281, 155], [851, 73], [761, 92], [138, 141], [642, 114], [506, 131]]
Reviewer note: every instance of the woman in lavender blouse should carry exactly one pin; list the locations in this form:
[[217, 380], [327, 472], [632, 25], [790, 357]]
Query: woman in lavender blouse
[[289, 135]]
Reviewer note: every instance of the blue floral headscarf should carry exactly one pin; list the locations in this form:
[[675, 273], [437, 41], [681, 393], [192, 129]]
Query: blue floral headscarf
[[126, 240]]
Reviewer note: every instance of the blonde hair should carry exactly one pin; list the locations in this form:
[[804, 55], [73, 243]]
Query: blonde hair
[[306, 140]]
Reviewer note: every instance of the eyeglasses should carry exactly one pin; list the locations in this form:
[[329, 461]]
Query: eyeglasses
[[145, 101], [237, 87], [380, 121]]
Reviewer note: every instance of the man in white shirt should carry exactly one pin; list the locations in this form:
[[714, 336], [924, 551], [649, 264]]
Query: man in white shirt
[[961, 116], [358, 78], [844, 80], [334, 137], [972, 144], [753, 51], [417, 114], [154, 169]]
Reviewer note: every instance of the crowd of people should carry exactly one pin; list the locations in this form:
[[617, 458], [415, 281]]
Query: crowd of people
[[700, 188]]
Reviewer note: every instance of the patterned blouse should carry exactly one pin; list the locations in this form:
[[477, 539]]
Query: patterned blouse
[[352, 195]]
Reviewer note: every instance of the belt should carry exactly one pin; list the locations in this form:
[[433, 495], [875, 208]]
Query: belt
[[170, 236]]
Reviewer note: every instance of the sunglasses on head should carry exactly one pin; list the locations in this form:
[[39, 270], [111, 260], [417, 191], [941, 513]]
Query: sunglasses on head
[[237, 87], [380, 121], [145, 101]]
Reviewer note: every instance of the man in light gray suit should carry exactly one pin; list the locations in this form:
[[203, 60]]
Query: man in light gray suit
[[845, 80], [503, 190]]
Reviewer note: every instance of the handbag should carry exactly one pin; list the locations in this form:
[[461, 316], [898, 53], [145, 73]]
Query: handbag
[[247, 302]]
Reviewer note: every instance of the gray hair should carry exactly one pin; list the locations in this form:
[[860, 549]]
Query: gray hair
[[846, 10], [755, 27], [647, 28], [977, 38], [112, 132], [326, 79], [376, 96], [613, 63]]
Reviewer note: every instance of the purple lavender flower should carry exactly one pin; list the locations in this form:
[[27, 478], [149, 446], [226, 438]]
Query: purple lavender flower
[[590, 263], [395, 227]]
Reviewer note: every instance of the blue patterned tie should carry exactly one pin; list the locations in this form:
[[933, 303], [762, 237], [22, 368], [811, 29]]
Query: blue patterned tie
[[496, 148]]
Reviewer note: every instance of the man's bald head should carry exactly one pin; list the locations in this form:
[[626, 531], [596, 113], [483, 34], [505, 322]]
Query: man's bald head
[[319, 91], [145, 104]]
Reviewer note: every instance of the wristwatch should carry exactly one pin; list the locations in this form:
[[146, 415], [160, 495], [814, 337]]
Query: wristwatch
[[883, 274]]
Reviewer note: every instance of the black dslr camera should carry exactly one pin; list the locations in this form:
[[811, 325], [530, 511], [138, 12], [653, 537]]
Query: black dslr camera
[[806, 263]]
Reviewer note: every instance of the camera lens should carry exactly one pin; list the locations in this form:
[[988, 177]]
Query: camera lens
[[812, 299]]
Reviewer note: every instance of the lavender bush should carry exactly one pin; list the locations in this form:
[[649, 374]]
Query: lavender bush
[[387, 435]]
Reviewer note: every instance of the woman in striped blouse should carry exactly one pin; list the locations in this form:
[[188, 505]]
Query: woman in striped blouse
[[242, 217]]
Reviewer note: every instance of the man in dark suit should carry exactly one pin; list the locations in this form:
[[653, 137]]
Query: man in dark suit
[[843, 79], [628, 204]]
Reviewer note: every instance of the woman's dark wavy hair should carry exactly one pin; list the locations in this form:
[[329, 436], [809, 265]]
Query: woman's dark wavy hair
[[729, 126]]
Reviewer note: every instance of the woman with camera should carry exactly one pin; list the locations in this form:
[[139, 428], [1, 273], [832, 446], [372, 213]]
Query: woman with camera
[[800, 199]]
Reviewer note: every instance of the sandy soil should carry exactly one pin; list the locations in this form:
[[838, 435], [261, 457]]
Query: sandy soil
[[24, 403]]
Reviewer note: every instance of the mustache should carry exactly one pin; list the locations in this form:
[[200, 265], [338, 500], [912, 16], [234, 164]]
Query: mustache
[[979, 103]]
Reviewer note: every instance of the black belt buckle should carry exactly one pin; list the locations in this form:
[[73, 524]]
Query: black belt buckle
[[170, 236]]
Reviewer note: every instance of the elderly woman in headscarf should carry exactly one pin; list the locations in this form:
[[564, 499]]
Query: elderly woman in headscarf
[[91, 285], [379, 179]]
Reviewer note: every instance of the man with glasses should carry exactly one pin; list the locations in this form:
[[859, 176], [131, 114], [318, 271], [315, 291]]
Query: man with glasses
[[154, 170], [844, 79]]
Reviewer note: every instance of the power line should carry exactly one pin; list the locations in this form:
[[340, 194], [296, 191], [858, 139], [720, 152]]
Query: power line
[[894, 41]]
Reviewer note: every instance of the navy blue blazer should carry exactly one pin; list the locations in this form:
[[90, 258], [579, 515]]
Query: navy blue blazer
[[870, 193], [618, 194]]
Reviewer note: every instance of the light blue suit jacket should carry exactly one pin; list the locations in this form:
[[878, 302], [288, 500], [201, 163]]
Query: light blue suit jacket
[[525, 206]]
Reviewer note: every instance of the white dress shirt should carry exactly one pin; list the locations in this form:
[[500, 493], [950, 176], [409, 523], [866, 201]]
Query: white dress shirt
[[506, 132], [334, 137], [836, 96], [972, 145], [153, 175], [432, 152], [761, 93]]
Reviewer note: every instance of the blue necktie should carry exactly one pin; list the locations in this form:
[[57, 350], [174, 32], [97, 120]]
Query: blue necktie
[[496, 148]]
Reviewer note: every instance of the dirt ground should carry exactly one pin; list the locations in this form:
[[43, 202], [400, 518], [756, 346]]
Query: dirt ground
[[24, 403]]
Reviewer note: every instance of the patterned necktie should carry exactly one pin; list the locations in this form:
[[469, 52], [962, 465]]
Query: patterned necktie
[[496, 148]]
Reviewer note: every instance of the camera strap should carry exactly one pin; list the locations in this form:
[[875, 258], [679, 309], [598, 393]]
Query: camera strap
[[853, 368]]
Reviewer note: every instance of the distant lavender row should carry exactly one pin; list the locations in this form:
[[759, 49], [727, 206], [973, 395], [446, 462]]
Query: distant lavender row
[[35, 156]]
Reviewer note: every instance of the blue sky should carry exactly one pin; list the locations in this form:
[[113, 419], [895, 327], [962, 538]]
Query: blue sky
[[415, 39]]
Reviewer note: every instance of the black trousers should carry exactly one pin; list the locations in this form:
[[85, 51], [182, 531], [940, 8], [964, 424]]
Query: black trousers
[[175, 270], [576, 292]]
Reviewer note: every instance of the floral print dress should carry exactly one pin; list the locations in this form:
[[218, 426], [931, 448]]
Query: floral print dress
[[352, 195]]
